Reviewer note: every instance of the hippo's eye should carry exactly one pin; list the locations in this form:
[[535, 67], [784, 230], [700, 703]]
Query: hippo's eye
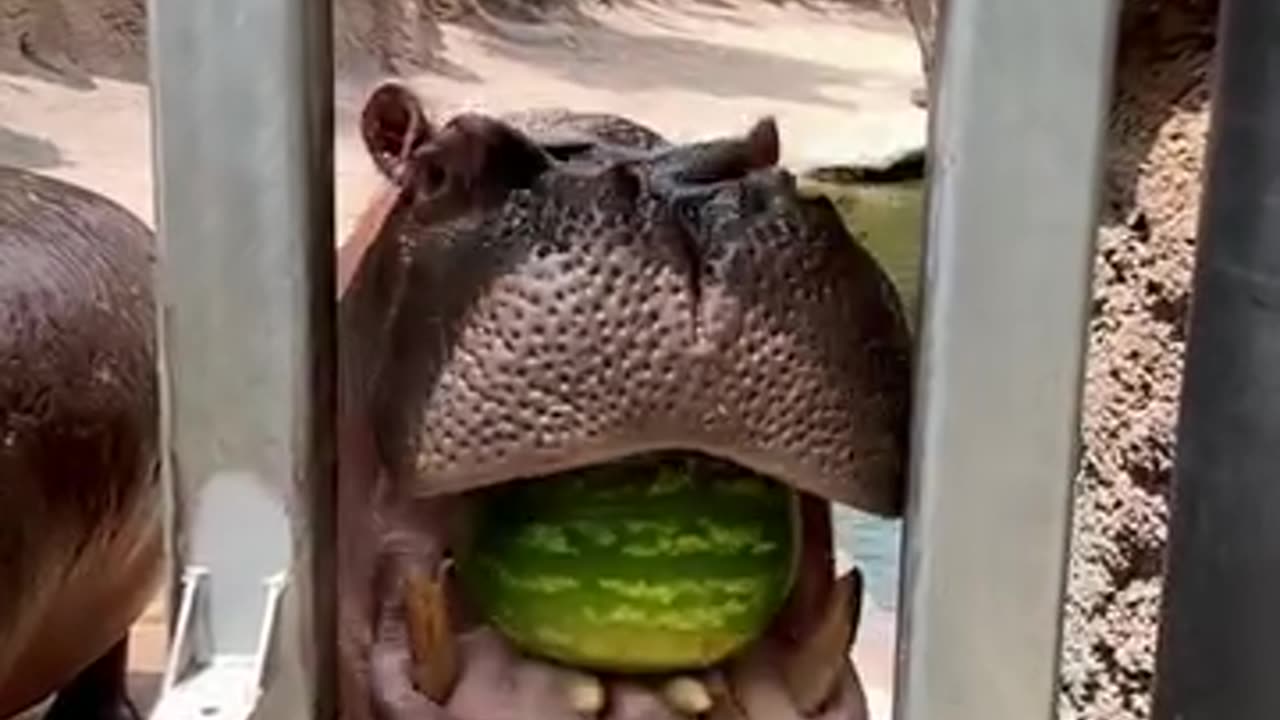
[[565, 151], [688, 213], [433, 176]]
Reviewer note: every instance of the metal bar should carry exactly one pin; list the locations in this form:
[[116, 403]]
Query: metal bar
[[1219, 648], [1015, 162], [242, 115]]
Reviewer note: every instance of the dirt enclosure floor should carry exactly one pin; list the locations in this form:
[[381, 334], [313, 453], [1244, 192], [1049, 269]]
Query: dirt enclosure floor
[[837, 77]]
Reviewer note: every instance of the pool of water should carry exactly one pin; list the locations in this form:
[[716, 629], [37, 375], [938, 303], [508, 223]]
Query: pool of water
[[872, 545]]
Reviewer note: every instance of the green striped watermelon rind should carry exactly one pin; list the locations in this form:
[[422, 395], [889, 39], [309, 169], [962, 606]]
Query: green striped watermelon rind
[[645, 566]]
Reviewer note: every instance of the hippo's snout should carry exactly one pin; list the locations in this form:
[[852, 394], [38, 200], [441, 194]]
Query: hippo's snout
[[558, 309]]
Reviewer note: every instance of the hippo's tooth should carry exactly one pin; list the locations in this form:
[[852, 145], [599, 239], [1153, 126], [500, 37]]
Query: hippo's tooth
[[811, 669], [584, 692], [431, 640], [687, 695]]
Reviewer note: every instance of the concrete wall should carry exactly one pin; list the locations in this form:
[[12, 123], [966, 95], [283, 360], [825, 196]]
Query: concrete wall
[[1146, 248]]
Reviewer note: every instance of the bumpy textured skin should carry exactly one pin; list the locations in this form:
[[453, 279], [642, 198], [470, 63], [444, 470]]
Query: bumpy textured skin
[[612, 308], [632, 295], [80, 523]]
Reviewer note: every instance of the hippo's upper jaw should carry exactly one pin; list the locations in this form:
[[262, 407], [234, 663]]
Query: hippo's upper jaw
[[536, 303], [545, 313]]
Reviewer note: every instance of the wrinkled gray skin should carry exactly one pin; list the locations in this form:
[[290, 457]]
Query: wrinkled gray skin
[[80, 523], [549, 292]]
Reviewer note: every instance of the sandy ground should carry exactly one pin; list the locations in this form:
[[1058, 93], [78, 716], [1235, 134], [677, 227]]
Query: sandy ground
[[837, 80]]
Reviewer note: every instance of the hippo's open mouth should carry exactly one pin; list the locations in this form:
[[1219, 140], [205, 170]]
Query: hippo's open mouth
[[540, 303], [663, 585]]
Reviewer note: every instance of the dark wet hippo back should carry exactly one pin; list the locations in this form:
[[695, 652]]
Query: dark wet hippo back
[[79, 502]]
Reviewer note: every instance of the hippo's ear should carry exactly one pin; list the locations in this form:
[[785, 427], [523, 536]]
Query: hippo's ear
[[393, 126], [735, 157], [472, 161], [761, 145]]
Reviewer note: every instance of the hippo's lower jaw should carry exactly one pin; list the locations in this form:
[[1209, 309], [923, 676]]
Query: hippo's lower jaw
[[432, 659]]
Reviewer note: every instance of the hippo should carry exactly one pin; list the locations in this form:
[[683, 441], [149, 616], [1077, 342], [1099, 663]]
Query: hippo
[[81, 525], [539, 292]]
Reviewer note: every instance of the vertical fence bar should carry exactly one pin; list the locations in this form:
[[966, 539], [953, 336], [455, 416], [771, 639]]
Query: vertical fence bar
[[242, 118], [1016, 144], [1219, 652]]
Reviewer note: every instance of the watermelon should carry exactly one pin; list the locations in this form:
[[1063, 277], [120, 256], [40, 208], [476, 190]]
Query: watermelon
[[659, 563]]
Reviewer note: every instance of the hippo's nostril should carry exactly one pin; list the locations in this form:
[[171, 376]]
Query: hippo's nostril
[[688, 213], [433, 176]]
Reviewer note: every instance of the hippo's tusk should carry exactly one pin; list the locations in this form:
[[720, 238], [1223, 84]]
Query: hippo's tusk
[[431, 641], [811, 670]]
